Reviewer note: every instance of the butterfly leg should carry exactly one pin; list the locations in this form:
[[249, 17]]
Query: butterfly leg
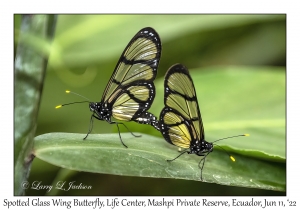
[[111, 122], [203, 159], [130, 131], [201, 167], [178, 155], [90, 127]]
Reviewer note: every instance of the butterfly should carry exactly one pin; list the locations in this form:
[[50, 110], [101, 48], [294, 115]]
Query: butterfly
[[180, 120], [130, 90]]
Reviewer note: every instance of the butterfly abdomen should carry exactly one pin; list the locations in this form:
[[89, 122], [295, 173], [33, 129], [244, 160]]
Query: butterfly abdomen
[[149, 119]]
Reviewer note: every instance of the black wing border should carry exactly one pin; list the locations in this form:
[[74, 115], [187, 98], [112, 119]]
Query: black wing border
[[179, 68], [148, 33], [149, 85]]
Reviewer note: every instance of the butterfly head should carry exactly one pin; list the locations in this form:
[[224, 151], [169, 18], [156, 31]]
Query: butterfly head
[[200, 147], [102, 110], [96, 107], [93, 106], [207, 146]]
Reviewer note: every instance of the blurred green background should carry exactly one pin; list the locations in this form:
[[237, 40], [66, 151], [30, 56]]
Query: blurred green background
[[84, 54]]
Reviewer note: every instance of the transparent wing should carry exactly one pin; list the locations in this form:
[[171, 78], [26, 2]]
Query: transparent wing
[[174, 128], [181, 116], [133, 100], [130, 90], [138, 63]]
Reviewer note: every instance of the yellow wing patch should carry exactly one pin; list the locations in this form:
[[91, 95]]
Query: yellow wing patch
[[126, 106], [180, 95], [178, 132]]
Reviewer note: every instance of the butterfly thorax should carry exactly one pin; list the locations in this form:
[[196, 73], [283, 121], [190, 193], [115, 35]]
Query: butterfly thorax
[[102, 111], [200, 147]]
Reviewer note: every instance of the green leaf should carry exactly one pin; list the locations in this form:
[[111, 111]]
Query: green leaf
[[146, 157], [237, 100], [86, 44]]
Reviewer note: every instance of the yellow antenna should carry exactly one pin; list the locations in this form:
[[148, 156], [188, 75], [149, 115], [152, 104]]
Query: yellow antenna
[[230, 156], [77, 102]]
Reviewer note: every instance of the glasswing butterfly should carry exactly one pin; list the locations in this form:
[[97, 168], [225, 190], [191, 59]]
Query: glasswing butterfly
[[130, 90], [180, 120]]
